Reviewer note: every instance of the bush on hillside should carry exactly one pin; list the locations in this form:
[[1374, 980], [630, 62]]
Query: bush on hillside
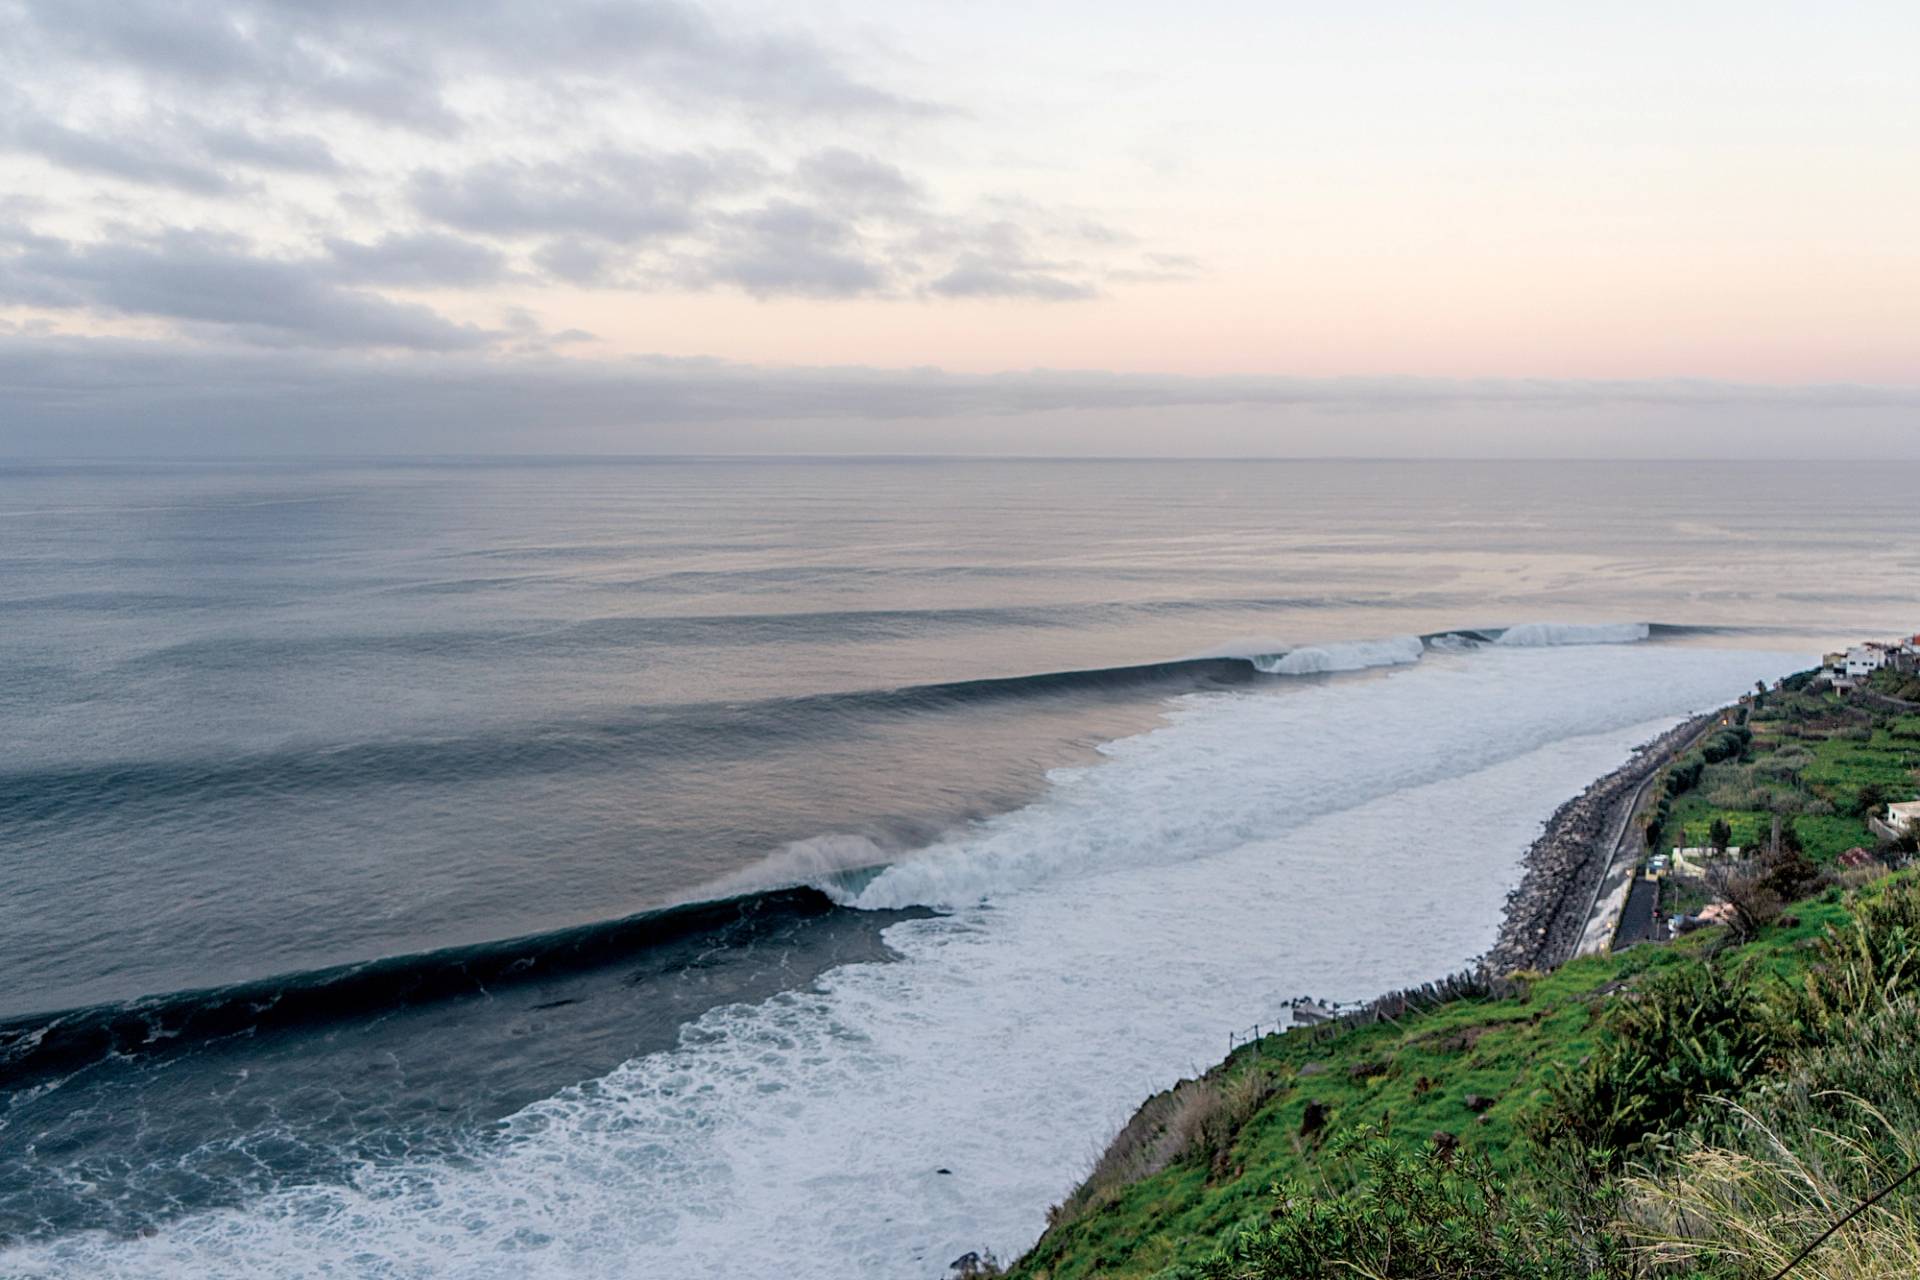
[[1861, 966], [1684, 775], [1837, 1124], [1726, 744], [1690, 1031], [1440, 1214]]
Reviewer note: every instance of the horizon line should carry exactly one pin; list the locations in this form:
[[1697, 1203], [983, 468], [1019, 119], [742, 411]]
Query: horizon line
[[774, 456]]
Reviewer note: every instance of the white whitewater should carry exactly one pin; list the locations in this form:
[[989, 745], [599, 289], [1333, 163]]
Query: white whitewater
[[1355, 655], [1535, 635], [1336, 837]]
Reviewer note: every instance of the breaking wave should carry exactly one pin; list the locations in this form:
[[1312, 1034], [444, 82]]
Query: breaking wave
[[1354, 656], [1534, 635]]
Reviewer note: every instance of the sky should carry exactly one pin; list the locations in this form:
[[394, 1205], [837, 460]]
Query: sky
[[1275, 229]]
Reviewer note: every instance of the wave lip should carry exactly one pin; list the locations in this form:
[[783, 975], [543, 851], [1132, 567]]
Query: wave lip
[[1357, 655], [1539, 635]]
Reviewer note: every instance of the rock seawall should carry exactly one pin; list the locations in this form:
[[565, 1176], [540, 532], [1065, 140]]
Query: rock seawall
[[1548, 912]]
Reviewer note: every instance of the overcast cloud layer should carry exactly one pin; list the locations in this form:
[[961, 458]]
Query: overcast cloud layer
[[73, 396], [300, 225]]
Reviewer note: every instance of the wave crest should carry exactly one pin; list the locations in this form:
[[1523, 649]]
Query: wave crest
[[1538, 635], [1357, 655]]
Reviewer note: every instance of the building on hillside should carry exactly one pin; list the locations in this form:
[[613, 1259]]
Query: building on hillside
[[1904, 817], [1845, 670], [1865, 659]]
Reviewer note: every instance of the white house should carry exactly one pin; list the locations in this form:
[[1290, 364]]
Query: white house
[[1864, 659], [1904, 817]]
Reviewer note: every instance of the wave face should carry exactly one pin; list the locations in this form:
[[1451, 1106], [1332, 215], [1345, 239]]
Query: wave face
[[42, 1045], [1339, 837]]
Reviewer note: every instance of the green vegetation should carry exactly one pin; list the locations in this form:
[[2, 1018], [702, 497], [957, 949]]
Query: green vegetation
[[1895, 684], [1702, 1110], [1810, 759]]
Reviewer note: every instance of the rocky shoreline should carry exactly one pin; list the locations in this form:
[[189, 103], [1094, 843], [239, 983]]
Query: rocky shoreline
[[1547, 914]]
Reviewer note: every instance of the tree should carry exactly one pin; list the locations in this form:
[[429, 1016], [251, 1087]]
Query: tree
[[1720, 835]]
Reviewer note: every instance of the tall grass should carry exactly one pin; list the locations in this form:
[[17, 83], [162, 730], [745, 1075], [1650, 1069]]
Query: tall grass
[[1740, 1213]]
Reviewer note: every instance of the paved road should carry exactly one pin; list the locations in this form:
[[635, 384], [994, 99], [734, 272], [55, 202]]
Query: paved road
[[1637, 922], [1612, 894]]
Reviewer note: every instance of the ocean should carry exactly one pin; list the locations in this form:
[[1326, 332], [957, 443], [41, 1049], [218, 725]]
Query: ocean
[[730, 867]]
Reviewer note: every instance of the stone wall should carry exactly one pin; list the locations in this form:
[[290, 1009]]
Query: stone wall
[[1548, 912]]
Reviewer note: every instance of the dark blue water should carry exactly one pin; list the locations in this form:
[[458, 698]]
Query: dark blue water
[[409, 764]]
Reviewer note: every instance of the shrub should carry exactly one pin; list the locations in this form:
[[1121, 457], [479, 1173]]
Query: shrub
[[1726, 743], [1870, 798], [1684, 775], [1872, 959], [1405, 1216], [1755, 905], [1773, 1172], [1690, 1032]]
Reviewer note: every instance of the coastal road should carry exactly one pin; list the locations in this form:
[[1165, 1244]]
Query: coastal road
[[1610, 895]]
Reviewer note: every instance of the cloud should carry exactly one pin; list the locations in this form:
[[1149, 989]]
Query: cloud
[[69, 394], [128, 159], [577, 260], [420, 260], [380, 146], [996, 260], [980, 276], [849, 179], [393, 63], [836, 224], [784, 248], [288, 153], [617, 196], [213, 285]]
